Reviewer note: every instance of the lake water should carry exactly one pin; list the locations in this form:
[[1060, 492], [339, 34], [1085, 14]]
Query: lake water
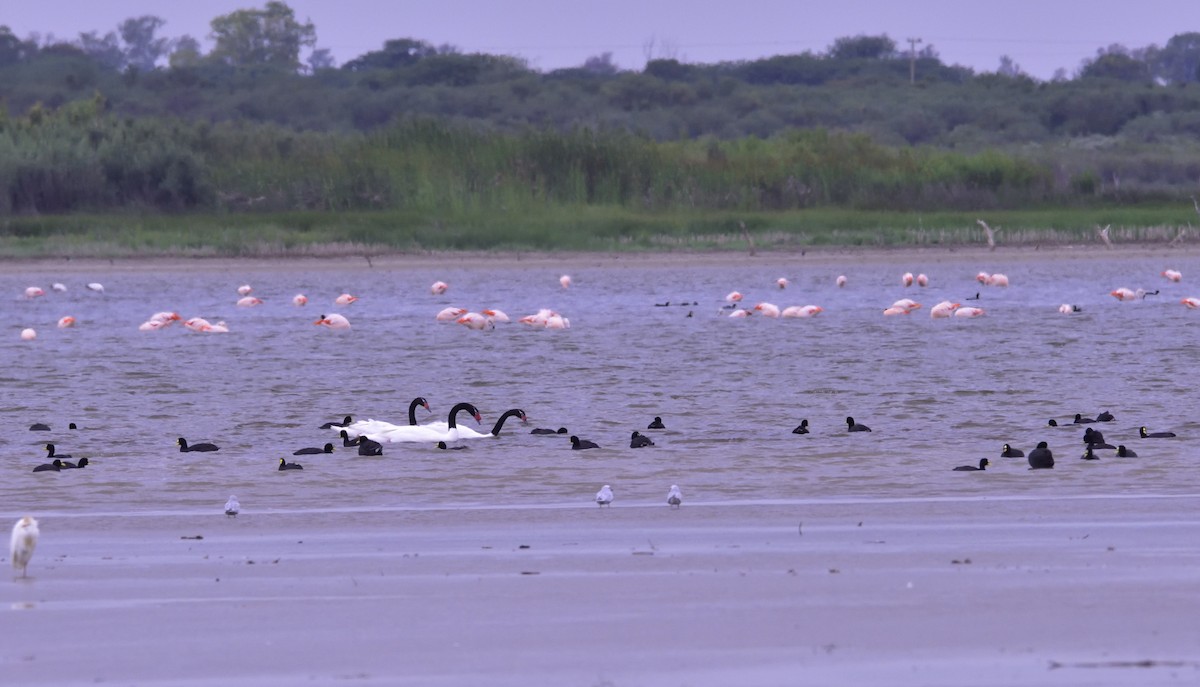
[[938, 393]]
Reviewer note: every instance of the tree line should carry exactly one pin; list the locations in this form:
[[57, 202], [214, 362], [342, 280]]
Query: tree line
[[131, 117]]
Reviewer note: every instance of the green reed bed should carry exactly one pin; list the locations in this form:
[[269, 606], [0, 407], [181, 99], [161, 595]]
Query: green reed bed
[[559, 227]]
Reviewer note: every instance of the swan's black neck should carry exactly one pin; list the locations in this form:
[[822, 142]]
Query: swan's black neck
[[515, 412], [412, 409], [460, 407]]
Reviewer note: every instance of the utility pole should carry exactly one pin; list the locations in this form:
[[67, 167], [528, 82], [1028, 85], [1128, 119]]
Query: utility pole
[[912, 59]]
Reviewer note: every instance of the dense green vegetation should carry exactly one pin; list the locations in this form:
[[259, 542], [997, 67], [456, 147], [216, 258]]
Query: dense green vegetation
[[415, 146]]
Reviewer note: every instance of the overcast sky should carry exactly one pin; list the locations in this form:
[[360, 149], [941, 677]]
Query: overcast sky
[[1040, 35]]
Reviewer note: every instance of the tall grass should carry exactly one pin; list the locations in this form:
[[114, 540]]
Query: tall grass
[[77, 180], [564, 228]]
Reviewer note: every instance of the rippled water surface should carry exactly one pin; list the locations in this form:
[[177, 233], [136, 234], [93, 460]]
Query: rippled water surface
[[938, 393]]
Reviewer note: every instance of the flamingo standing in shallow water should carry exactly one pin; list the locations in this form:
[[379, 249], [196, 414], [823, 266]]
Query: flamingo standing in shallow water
[[1123, 294], [197, 324], [565, 280], [159, 320], [248, 302], [1191, 302], [28, 334], [334, 321], [841, 280], [734, 297], [997, 280], [345, 299], [767, 309], [802, 311], [496, 315], [1173, 275], [968, 312], [34, 292], [299, 299], [942, 310], [907, 279], [539, 319], [983, 278], [244, 290], [476, 321], [438, 288], [450, 314], [782, 282], [922, 280], [65, 322]]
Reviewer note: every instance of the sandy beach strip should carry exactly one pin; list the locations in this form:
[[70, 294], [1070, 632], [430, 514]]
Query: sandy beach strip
[[1083, 591]]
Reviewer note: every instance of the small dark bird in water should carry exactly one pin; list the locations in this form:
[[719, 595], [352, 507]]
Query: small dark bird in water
[[639, 440], [972, 298], [983, 463], [1154, 435], [1053, 422], [442, 445], [1123, 452], [853, 426], [284, 465], [1041, 458], [543, 430], [1094, 439], [49, 467], [657, 424], [578, 444], [203, 448], [72, 426], [313, 450], [1010, 452], [1105, 417], [801, 428], [51, 454], [1081, 420], [343, 423], [83, 462], [39, 427], [347, 441], [367, 447], [1089, 455]]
